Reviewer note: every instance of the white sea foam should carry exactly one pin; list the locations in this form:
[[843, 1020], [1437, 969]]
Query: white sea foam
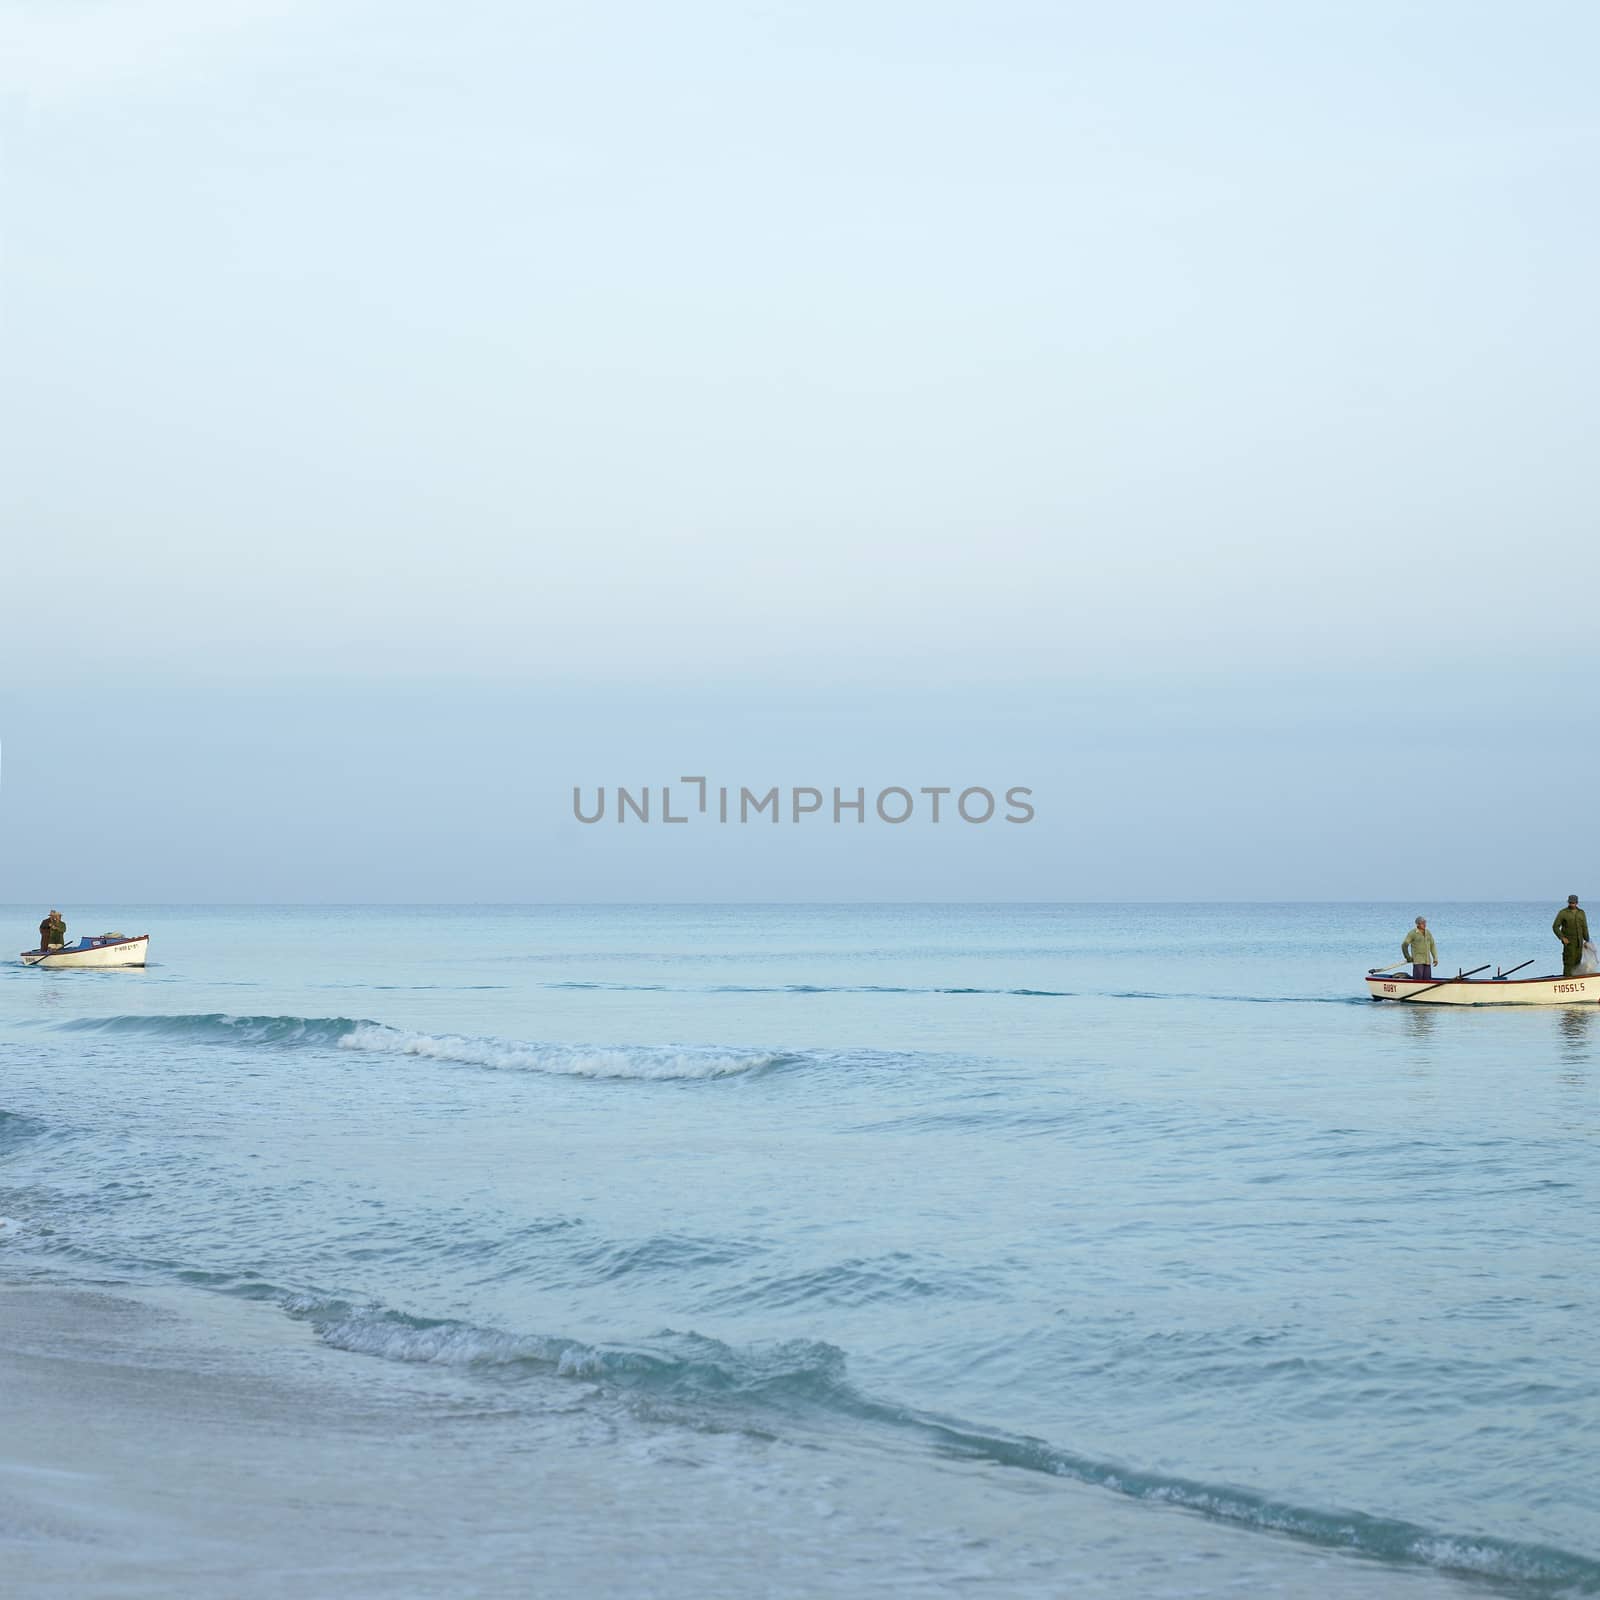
[[576, 1061]]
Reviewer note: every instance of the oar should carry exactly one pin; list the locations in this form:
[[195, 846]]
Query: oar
[[1443, 981], [1394, 966], [1528, 963]]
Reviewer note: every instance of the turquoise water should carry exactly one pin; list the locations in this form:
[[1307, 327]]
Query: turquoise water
[[1146, 1199]]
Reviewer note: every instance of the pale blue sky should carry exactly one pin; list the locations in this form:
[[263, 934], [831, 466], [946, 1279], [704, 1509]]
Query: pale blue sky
[[836, 388]]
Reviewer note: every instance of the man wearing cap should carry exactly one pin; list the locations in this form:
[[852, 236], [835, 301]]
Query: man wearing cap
[[1571, 927], [1419, 949], [52, 930]]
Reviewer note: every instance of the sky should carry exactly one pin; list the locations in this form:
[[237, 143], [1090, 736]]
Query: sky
[[410, 412]]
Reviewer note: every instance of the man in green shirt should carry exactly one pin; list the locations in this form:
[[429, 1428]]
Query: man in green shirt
[[1419, 949], [1571, 927]]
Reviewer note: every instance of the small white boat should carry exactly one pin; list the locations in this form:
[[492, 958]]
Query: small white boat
[[97, 950], [1579, 989]]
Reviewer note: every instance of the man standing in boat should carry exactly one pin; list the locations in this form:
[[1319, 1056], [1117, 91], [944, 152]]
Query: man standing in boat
[[52, 930], [1571, 927], [1419, 949]]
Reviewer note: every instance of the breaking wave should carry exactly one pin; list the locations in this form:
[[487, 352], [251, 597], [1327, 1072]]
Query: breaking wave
[[576, 1061], [641, 1062], [805, 1375], [674, 1364], [219, 1027]]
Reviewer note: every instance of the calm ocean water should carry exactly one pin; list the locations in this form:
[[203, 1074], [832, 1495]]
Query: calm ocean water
[[1144, 1207]]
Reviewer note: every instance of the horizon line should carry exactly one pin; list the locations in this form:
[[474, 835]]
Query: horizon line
[[597, 905]]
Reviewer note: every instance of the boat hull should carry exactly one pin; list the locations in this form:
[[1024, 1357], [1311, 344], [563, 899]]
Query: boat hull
[[1547, 991], [96, 953]]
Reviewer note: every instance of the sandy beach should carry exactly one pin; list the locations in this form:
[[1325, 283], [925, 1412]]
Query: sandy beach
[[139, 1458]]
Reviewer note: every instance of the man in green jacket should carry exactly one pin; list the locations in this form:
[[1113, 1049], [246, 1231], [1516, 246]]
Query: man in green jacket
[[1419, 949], [52, 930], [1571, 927]]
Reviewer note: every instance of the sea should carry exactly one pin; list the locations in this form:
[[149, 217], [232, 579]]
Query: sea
[[813, 1249]]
